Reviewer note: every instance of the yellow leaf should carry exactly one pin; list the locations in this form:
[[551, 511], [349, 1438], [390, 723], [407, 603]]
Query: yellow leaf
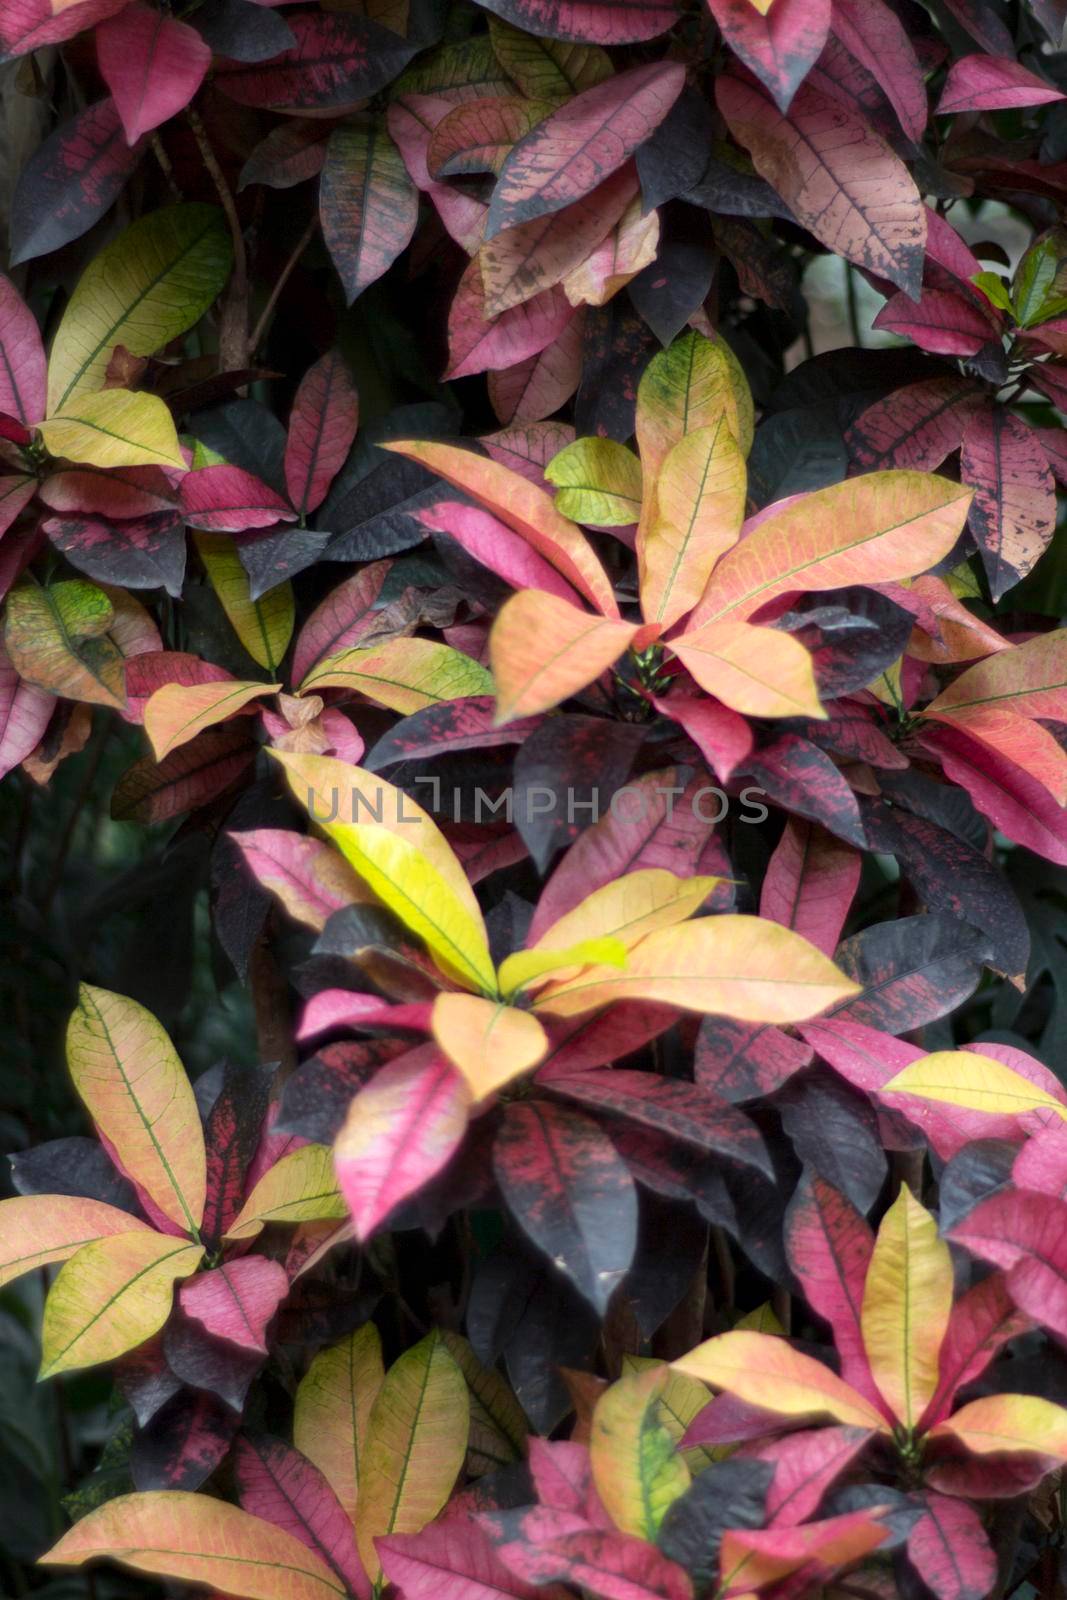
[[542, 650], [878, 528], [59, 638], [1008, 1422], [907, 1301], [331, 1412], [700, 506], [111, 1296], [975, 1082], [689, 386], [489, 1043], [598, 482], [177, 712], [134, 1087], [680, 1402], [525, 967], [629, 908], [636, 1466], [301, 1187], [143, 289], [201, 1540], [36, 1229], [404, 674], [761, 1320], [761, 672], [764, 1370], [731, 966], [416, 1443], [264, 626], [114, 428]]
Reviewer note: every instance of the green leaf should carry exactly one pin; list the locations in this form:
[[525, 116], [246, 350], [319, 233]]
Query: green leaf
[[599, 483], [404, 674], [995, 289], [1040, 282], [58, 638], [112, 1296], [114, 428], [636, 1465], [264, 626], [145, 288]]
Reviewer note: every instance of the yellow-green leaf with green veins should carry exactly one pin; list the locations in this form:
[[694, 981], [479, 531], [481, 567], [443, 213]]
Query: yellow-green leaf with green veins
[[636, 1466], [690, 385], [331, 1412], [115, 428], [629, 908], [57, 637], [143, 289], [416, 1444], [301, 1187], [498, 1425], [127, 1073], [518, 971], [404, 674], [907, 1301], [975, 1082], [550, 69], [36, 1229], [700, 506], [1008, 1423], [597, 482], [178, 712], [264, 626], [766, 1371], [111, 1296]]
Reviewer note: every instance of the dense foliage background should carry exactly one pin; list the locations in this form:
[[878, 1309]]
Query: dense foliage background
[[758, 1074]]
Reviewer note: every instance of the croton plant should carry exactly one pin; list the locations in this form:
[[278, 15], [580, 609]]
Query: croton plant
[[589, 739]]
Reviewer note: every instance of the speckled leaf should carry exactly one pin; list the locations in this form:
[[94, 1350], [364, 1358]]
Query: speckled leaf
[[367, 203], [779, 42], [338, 60], [70, 182], [1013, 514]]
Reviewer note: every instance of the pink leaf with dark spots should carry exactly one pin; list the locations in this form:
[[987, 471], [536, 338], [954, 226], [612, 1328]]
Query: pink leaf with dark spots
[[538, 386], [810, 882], [478, 341], [368, 205], [805, 1465], [400, 1132], [1026, 1235], [577, 147], [746, 1060], [838, 178], [23, 381], [497, 547], [874, 35], [527, 448], [339, 59], [412, 119], [227, 499], [944, 323], [799, 777], [152, 64], [277, 1483], [139, 553], [589, 21], [1013, 513], [450, 1560], [780, 44], [25, 712], [949, 1550], [915, 427], [322, 426], [542, 1546], [69, 183], [993, 83], [339, 621], [236, 1301]]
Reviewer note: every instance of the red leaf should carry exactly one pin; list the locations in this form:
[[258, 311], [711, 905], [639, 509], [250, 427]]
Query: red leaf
[[838, 178], [400, 1131], [344, 1008], [873, 34], [943, 322], [1013, 513], [199, 771], [497, 547], [277, 1483], [232, 1131], [236, 1301], [148, 672], [23, 381], [580, 1043], [1017, 804], [478, 342], [805, 1465], [589, 21], [570, 1192], [949, 1550], [915, 427], [322, 425], [723, 737], [992, 83], [367, 203], [338, 60], [152, 64], [983, 1320], [800, 777], [543, 1546], [745, 1060], [25, 712], [809, 884], [227, 499], [449, 1560], [582, 143], [341, 620], [538, 386], [780, 44], [68, 184]]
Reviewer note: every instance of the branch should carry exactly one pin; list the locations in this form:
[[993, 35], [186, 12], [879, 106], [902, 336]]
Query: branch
[[233, 332], [283, 278]]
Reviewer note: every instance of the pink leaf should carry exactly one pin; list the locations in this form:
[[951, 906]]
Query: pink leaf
[[119, 492], [1026, 1235], [1014, 802], [538, 386], [543, 1546], [277, 1483], [26, 25], [944, 245], [227, 499], [23, 380], [528, 447], [562, 1474], [982, 1321], [236, 1301], [992, 83], [152, 64], [496, 546], [577, 147], [1041, 1164], [150, 671], [322, 425], [943, 322], [805, 1465], [780, 44], [579, 1043], [301, 871], [915, 427], [838, 178], [400, 1131], [949, 1550], [538, 254], [723, 737], [412, 119], [589, 21], [809, 884], [343, 1008], [25, 712], [478, 342], [1013, 513], [873, 34], [16, 492], [449, 1560]]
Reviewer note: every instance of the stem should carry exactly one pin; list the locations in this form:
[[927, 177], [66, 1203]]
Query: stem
[[233, 330], [283, 278], [270, 1003], [853, 306], [166, 165]]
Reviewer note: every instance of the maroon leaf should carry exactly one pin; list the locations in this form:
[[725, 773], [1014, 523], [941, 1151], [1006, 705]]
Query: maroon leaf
[[780, 44], [570, 1192], [838, 178], [152, 64], [582, 143], [915, 427], [277, 1483], [874, 35], [227, 499], [236, 1301], [339, 59], [339, 621], [799, 777], [464, 724], [949, 1550], [943, 322], [589, 21], [16, 492], [368, 205], [449, 1560], [199, 771], [543, 1546], [26, 25], [232, 1132], [723, 737], [22, 363], [805, 1465], [1013, 514], [744, 1060], [70, 181], [143, 553], [982, 1321], [322, 425], [992, 83], [809, 884], [580, 1043], [183, 1442]]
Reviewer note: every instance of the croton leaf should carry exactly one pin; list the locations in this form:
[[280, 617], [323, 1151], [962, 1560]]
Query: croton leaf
[[1008, 1422], [226, 499], [22, 370], [322, 426], [301, 1187], [70, 182], [337, 61], [331, 1412], [764, 1370], [36, 1229], [487, 1042], [1013, 516], [115, 428], [829, 1245], [543, 650], [404, 674], [311, 880], [949, 1549], [152, 63], [700, 504], [265, 625], [992, 83], [779, 44], [761, 672], [637, 1469], [236, 1301], [907, 1301], [279, 1485], [368, 205], [177, 712]]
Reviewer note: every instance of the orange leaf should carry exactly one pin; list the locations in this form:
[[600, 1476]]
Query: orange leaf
[[542, 650], [487, 1042], [1031, 679], [38, 1228], [178, 712], [764, 1370], [700, 506], [762, 672], [1008, 1422]]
